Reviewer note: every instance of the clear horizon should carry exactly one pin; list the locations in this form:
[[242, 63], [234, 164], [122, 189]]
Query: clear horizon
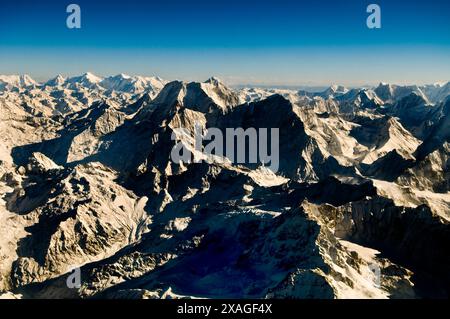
[[235, 85]]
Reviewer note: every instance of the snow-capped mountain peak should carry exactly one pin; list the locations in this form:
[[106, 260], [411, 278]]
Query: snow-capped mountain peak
[[91, 77], [338, 89], [56, 81], [19, 81], [118, 82], [214, 80], [86, 79], [333, 91], [133, 84]]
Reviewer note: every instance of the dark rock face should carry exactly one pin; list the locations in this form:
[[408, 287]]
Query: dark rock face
[[388, 167], [394, 231]]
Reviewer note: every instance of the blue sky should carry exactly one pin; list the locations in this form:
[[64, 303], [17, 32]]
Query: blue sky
[[260, 42]]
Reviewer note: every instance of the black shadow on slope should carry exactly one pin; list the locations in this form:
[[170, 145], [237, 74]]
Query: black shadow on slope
[[57, 149], [411, 237]]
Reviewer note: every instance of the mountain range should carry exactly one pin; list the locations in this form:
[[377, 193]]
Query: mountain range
[[359, 208]]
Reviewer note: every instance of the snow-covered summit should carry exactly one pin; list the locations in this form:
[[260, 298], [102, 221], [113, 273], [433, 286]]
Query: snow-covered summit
[[16, 81]]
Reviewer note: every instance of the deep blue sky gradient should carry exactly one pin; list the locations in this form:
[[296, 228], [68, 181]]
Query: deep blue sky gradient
[[246, 41]]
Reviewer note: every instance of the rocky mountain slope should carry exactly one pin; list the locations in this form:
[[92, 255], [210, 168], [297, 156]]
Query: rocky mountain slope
[[358, 207]]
